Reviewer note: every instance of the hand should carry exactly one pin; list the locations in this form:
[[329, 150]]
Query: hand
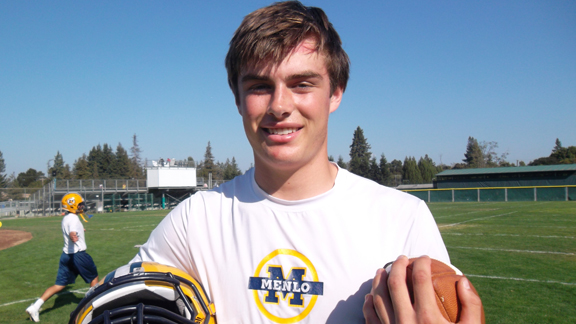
[[74, 237], [389, 301]]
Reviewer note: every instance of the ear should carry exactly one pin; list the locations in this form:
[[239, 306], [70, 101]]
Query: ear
[[336, 98]]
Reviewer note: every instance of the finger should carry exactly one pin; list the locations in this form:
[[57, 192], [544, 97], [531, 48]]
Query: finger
[[381, 298], [369, 313], [424, 296], [472, 311], [399, 295]]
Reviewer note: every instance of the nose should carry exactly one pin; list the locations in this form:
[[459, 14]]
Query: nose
[[281, 104]]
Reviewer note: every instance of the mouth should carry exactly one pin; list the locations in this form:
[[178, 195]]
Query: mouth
[[281, 131]]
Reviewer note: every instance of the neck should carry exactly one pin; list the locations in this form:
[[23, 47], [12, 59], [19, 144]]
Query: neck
[[305, 182]]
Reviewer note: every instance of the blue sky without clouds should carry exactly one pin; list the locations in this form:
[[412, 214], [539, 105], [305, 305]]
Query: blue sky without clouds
[[425, 75]]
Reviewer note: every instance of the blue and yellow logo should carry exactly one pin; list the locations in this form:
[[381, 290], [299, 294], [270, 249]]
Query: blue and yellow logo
[[285, 286]]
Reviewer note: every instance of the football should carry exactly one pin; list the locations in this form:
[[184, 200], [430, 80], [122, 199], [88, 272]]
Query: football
[[444, 278]]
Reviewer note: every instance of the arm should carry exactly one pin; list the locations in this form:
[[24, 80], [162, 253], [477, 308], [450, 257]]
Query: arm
[[389, 300]]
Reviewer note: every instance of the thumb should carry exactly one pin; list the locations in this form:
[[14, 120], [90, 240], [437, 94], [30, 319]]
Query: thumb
[[472, 311]]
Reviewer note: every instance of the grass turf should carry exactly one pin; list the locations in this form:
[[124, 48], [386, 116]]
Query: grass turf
[[520, 256]]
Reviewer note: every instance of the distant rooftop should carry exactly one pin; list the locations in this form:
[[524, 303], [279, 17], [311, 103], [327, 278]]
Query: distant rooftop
[[520, 169]]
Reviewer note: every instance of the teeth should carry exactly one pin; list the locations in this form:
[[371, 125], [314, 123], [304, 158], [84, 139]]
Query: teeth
[[282, 131]]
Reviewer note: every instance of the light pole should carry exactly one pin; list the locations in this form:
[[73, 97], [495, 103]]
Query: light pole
[[102, 194]]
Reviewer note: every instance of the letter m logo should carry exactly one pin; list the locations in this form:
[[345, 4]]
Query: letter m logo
[[294, 284]]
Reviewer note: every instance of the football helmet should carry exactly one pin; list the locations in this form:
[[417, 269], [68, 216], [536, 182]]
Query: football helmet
[[73, 203], [145, 292]]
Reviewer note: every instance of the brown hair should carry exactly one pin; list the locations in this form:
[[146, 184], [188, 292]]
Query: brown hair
[[266, 36]]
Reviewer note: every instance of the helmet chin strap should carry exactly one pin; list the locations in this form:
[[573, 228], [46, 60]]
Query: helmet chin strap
[[82, 215]]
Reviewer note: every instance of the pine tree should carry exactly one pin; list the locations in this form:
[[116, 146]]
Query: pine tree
[[231, 169], [384, 170], [427, 169], [207, 166], [58, 169], [360, 154], [81, 170], [3, 177], [341, 162], [474, 158], [410, 172], [375, 173], [123, 166], [95, 162], [557, 147], [136, 168], [108, 157]]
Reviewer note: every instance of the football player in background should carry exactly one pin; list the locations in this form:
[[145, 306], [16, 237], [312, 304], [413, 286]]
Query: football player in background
[[74, 259], [296, 238]]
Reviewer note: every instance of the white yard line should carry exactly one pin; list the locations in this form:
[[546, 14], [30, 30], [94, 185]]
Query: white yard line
[[514, 235], [467, 213], [523, 279], [79, 291], [510, 250], [480, 218]]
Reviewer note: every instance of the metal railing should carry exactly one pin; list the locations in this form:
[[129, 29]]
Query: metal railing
[[483, 194]]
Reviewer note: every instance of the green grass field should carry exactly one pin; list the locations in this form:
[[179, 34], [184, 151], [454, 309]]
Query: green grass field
[[521, 257]]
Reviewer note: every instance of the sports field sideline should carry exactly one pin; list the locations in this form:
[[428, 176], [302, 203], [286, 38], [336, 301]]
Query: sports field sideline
[[520, 256]]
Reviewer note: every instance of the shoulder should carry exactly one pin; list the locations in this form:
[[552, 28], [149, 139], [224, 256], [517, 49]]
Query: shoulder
[[236, 189], [352, 187]]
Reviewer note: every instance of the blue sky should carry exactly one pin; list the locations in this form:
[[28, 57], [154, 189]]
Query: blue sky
[[425, 75]]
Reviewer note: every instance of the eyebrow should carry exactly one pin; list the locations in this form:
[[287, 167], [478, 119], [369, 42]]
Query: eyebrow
[[303, 75]]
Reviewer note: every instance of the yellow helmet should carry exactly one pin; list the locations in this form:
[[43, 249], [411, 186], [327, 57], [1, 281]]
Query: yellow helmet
[[73, 203], [145, 292]]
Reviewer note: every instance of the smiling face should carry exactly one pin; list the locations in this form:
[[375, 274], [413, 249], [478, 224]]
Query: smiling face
[[285, 110]]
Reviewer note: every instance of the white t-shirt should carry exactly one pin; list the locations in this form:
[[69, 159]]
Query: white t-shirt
[[266, 260], [71, 223]]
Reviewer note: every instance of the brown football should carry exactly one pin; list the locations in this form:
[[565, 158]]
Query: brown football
[[444, 278]]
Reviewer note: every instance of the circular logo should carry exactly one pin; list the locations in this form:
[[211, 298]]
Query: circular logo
[[285, 286]]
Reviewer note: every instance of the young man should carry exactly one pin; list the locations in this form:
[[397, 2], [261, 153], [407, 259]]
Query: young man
[[296, 239], [74, 260]]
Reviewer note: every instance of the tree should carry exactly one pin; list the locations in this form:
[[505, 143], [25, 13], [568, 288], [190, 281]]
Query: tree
[[58, 169], [122, 164], [490, 157], [341, 162], [410, 172], [557, 147], [28, 178], [360, 154], [81, 170], [473, 156], [427, 169], [384, 170], [191, 163], [3, 177], [207, 166], [375, 173], [107, 167], [95, 162], [483, 155], [135, 151], [395, 172], [231, 169]]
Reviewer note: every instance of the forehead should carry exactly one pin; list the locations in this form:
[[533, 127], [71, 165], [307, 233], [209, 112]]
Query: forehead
[[305, 55]]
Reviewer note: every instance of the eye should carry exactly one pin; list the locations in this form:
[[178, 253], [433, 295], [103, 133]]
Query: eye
[[258, 88]]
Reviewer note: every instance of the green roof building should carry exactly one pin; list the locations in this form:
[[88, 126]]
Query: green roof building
[[530, 176]]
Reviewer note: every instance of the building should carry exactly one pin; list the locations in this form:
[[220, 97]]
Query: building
[[522, 176]]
